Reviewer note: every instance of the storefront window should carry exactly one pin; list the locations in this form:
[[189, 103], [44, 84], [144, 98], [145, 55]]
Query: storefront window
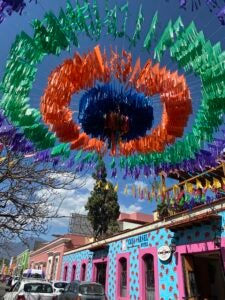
[[55, 267], [83, 272], [65, 273], [73, 276], [49, 268], [123, 276], [149, 277]]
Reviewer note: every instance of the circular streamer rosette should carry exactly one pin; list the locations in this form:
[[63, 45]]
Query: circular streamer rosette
[[120, 116], [115, 109]]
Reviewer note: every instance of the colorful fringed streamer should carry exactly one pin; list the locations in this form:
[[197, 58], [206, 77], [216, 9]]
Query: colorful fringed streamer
[[7, 7], [197, 55], [212, 5], [188, 48], [11, 138], [82, 73]]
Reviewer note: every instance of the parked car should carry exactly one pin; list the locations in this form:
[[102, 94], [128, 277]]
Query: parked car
[[33, 273], [59, 286], [83, 290], [27, 289]]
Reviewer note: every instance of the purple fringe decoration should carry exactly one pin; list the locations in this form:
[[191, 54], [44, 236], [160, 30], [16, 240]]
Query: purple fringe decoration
[[12, 139], [7, 7], [211, 4]]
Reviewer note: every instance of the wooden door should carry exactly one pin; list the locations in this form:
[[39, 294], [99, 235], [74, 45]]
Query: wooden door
[[191, 288]]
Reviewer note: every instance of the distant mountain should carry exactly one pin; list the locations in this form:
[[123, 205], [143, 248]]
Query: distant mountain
[[15, 248]]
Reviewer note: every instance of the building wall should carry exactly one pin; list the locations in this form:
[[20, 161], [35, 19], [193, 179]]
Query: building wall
[[76, 241], [49, 256], [168, 275], [22, 261], [37, 259], [41, 259], [77, 259], [136, 217], [128, 225]]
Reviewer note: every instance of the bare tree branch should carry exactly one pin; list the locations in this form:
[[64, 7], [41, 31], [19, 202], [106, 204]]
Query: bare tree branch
[[26, 188]]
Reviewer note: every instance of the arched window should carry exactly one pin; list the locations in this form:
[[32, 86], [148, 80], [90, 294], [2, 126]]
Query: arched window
[[83, 272], [149, 278], [123, 277], [65, 273], [73, 274]]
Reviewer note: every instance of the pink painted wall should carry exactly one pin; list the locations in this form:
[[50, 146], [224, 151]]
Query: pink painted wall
[[74, 271], [94, 270], [142, 253], [66, 272], [38, 259], [194, 248], [84, 262], [136, 218], [43, 257], [57, 246], [118, 257]]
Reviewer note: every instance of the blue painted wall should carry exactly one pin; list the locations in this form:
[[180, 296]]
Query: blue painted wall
[[168, 283]]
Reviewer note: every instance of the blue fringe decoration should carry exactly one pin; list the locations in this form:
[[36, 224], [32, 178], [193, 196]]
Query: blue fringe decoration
[[101, 100]]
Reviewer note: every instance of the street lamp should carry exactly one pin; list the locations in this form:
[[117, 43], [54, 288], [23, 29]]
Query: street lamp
[[173, 247]]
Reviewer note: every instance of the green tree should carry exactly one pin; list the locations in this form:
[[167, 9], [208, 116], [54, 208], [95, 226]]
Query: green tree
[[102, 206]]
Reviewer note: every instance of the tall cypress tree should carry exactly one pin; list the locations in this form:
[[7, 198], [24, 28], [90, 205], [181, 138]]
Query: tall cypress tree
[[103, 208]]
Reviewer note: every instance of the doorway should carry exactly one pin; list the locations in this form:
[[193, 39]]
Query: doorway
[[83, 272], [149, 281], [204, 276], [100, 275]]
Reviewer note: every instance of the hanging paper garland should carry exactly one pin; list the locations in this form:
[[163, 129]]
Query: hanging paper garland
[[203, 59], [11, 139], [50, 38], [7, 7], [82, 72], [106, 111], [212, 5], [195, 4], [187, 47], [151, 32], [14, 141]]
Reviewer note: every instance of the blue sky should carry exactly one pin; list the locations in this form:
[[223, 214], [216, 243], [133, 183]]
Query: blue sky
[[13, 25]]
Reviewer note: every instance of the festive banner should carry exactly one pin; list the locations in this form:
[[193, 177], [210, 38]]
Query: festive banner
[[138, 149]]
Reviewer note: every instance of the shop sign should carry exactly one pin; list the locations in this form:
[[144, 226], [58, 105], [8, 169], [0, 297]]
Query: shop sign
[[164, 253], [124, 245], [139, 241]]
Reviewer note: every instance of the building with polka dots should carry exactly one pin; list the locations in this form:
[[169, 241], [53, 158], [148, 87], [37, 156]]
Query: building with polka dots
[[178, 257]]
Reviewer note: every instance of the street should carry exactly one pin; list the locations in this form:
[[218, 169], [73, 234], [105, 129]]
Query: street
[[2, 290]]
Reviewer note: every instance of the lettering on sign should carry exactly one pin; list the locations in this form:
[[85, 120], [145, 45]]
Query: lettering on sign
[[141, 241], [124, 245]]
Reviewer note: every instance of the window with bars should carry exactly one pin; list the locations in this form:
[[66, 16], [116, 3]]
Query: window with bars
[[73, 273], [149, 277], [83, 272], [65, 273], [123, 276]]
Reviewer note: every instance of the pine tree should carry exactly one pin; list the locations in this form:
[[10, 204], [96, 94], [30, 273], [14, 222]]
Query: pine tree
[[103, 208]]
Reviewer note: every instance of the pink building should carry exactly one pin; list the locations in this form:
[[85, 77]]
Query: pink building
[[49, 256], [133, 220]]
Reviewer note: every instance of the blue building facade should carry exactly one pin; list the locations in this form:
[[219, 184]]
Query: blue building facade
[[158, 261]]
